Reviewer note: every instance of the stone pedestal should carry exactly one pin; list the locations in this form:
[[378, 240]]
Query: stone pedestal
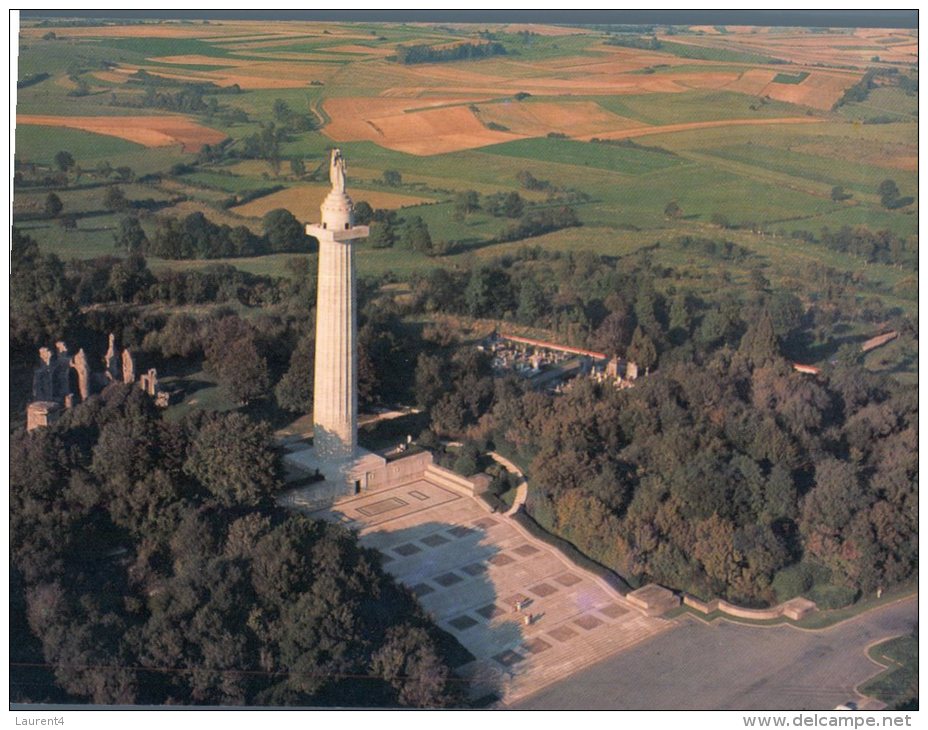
[[341, 477]]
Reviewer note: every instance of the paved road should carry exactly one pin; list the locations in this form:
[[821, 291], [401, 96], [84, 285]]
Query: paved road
[[728, 666]]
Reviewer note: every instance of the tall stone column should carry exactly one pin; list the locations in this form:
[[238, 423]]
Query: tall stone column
[[335, 392]]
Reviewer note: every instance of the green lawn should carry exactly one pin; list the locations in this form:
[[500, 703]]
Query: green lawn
[[901, 222], [685, 50], [790, 78], [886, 101], [625, 160], [854, 176], [695, 106], [899, 683], [93, 237], [228, 182], [40, 144]]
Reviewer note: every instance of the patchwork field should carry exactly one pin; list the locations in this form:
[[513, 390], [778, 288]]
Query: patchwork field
[[749, 128]]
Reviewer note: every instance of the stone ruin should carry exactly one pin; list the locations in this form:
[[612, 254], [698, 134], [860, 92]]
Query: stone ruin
[[53, 387]]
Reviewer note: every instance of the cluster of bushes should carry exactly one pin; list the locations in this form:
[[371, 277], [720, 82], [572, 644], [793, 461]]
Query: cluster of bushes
[[875, 246], [722, 250], [628, 40], [891, 198], [537, 222]]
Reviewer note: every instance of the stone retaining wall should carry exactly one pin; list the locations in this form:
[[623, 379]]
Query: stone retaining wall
[[793, 609]]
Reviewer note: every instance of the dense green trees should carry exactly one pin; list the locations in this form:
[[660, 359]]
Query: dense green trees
[[715, 479], [130, 237], [459, 52], [232, 356], [284, 233], [53, 205], [151, 567], [64, 160], [717, 473], [890, 197]]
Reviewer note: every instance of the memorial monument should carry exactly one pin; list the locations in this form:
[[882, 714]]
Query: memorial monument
[[335, 452]]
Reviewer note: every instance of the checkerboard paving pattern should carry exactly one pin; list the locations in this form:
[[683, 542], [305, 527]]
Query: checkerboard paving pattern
[[528, 615]]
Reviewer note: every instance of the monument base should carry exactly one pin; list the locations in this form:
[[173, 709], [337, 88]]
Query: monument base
[[341, 478]]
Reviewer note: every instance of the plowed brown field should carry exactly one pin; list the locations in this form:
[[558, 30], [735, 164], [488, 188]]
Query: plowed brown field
[[424, 132], [537, 119]]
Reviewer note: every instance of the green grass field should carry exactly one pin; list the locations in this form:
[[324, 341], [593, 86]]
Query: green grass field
[[40, 144], [626, 160], [887, 102], [695, 106], [685, 50], [861, 178], [899, 682]]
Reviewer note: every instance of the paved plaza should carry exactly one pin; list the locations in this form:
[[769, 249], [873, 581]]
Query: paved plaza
[[529, 617], [729, 666]]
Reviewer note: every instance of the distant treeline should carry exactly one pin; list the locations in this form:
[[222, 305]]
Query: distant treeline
[[463, 52], [647, 43]]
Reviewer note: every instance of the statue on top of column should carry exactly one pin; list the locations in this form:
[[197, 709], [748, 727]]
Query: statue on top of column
[[337, 171]]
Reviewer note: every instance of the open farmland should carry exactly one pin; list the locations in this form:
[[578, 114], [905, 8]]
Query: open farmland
[[746, 128]]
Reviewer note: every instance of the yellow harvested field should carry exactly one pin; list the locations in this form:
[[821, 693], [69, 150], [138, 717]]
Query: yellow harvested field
[[366, 50], [899, 162], [752, 82], [150, 131], [669, 128], [819, 90], [304, 201], [801, 46], [705, 80], [114, 77], [202, 60], [573, 118], [254, 74]]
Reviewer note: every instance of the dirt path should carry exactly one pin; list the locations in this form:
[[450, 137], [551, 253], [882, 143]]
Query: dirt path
[[522, 488]]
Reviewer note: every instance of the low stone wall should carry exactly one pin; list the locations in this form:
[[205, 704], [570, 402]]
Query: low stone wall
[[654, 600], [447, 478], [793, 609], [399, 471]]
